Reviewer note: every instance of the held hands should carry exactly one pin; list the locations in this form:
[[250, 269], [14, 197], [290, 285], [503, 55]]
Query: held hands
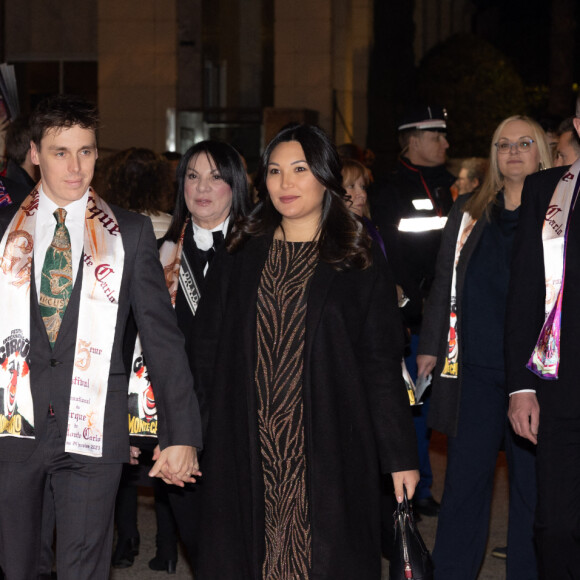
[[409, 479], [425, 364], [134, 454], [524, 415], [176, 465]]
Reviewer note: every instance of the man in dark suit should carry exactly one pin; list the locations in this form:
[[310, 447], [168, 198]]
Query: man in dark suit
[[72, 269], [547, 412]]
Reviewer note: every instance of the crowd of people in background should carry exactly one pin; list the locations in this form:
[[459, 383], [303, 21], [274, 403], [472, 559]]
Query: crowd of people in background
[[298, 301]]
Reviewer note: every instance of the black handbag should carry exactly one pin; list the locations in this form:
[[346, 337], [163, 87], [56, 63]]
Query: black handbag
[[410, 559]]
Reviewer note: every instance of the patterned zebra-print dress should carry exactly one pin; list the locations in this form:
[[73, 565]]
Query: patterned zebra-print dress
[[280, 330]]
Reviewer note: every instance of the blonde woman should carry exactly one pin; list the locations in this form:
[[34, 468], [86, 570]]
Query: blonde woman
[[356, 180], [462, 344]]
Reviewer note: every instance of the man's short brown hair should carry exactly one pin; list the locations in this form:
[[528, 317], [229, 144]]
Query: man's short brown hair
[[62, 112]]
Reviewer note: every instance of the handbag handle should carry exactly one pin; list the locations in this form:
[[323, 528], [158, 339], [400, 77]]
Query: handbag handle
[[404, 507], [413, 558]]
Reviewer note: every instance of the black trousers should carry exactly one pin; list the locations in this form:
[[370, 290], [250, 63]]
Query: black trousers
[[166, 537], [463, 524], [557, 524], [47, 534], [126, 509], [185, 506], [84, 500], [127, 503]]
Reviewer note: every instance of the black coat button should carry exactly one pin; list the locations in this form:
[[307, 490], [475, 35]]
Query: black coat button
[[54, 362]]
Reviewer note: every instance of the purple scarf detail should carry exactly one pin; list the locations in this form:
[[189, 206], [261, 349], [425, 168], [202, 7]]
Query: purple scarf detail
[[545, 360], [374, 234], [5, 199]]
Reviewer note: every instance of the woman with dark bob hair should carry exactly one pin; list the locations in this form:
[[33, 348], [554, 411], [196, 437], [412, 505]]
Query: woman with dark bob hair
[[212, 198], [298, 345]]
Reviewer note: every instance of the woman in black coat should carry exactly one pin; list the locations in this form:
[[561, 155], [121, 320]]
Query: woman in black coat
[[212, 196], [298, 346], [462, 342]]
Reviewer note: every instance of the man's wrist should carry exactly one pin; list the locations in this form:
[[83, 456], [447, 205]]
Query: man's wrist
[[523, 391]]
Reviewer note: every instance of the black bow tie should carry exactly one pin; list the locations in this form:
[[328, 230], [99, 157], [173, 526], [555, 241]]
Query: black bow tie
[[207, 255], [218, 239]]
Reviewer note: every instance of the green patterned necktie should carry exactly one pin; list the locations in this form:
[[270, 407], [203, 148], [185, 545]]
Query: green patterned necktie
[[57, 278]]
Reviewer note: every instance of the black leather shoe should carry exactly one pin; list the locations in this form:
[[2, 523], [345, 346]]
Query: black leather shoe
[[125, 552], [160, 565], [427, 506]]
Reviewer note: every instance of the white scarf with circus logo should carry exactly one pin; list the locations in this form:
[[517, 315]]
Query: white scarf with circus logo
[[142, 407], [545, 359], [103, 257], [451, 365]]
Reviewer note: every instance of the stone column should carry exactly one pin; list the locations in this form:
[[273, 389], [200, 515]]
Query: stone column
[[322, 50], [303, 57], [352, 40], [137, 48]]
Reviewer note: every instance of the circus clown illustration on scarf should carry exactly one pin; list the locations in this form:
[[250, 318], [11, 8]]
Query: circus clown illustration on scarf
[[103, 257], [16, 415]]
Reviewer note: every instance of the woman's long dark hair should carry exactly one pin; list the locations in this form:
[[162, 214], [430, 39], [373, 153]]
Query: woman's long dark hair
[[342, 239], [231, 169]]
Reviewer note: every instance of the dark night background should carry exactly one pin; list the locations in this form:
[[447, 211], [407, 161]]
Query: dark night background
[[522, 57], [513, 57]]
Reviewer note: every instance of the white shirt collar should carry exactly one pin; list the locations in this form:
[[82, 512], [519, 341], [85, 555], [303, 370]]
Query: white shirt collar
[[223, 227], [75, 211], [203, 238]]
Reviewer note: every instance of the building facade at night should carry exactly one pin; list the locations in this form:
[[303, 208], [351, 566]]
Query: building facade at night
[[166, 73]]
